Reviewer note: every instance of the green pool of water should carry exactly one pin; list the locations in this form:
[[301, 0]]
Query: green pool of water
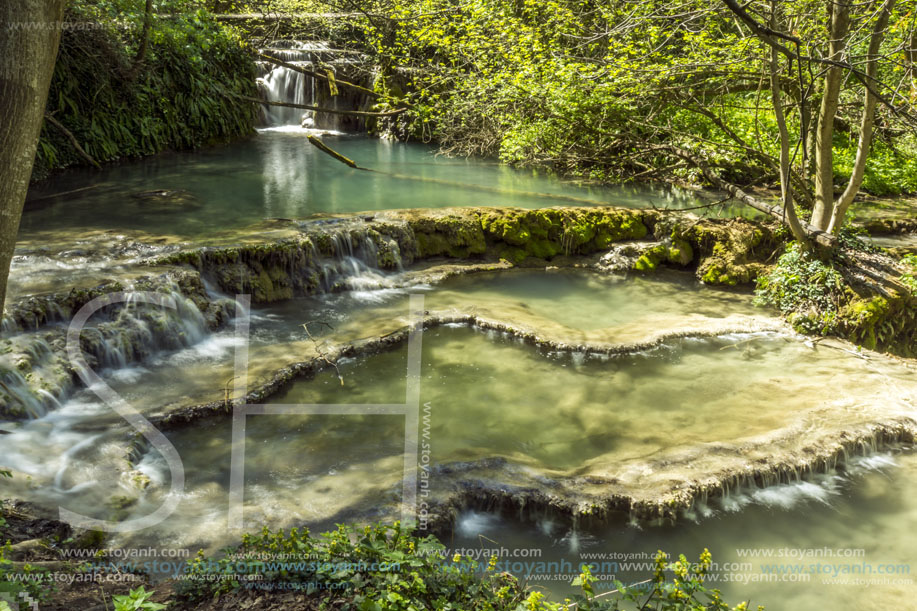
[[279, 174]]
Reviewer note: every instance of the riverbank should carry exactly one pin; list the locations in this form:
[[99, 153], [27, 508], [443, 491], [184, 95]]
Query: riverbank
[[109, 102]]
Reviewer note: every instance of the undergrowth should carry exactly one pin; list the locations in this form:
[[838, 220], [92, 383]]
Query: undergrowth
[[179, 97], [808, 290], [386, 568]]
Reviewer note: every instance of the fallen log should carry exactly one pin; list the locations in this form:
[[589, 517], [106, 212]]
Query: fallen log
[[318, 75], [73, 140], [820, 237], [334, 111], [330, 151], [62, 193]]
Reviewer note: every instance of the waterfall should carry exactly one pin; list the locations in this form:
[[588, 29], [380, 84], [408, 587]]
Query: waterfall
[[35, 371], [280, 84]]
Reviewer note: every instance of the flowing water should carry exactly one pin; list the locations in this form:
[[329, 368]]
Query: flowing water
[[838, 541], [200, 371], [576, 382], [579, 414]]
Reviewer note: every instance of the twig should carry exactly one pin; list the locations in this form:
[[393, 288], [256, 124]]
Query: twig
[[318, 347]]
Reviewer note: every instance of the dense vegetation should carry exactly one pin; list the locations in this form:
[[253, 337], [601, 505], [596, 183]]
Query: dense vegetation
[[386, 568], [121, 97], [605, 90]]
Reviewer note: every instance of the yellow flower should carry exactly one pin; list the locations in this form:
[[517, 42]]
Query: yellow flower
[[457, 558]]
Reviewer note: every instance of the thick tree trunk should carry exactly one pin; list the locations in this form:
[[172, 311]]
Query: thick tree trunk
[[866, 122], [839, 25], [29, 37]]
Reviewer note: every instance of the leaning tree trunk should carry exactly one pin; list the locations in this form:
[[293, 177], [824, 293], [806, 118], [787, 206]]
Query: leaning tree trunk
[[29, 36]]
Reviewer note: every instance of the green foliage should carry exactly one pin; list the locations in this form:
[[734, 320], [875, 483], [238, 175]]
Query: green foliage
[[890, 170], [686, 591], [36, 582], [598, 89], [385, 568], [909, 278], [374, 568], [180, 97], [136, 600], [808, 290], [853, 238]]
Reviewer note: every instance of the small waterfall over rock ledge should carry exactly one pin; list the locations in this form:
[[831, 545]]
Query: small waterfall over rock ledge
[[281, 84], [327, 256]]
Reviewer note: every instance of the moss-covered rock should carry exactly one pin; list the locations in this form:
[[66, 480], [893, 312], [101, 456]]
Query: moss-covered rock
[[731, 252], [676, 252], [545, 233], [881, 323]]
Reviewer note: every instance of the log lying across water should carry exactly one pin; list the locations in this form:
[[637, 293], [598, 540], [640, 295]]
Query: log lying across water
[[334, 111], [330, 151], [817, 235]]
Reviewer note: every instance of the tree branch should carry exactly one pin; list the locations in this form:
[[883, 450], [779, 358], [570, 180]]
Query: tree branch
[[73, 140]]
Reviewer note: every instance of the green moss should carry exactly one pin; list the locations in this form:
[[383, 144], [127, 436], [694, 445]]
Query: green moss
[[865, 321], [718, 272], [548, 232], [448, 235], [677, 252], [680, 253], [513, 254]]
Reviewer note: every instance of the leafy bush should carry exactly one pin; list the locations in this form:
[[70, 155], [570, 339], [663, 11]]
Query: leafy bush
[[136, 600], [37, 583], [909, 278], [385, 568], [179, 97], [890, 170], [808, 290]]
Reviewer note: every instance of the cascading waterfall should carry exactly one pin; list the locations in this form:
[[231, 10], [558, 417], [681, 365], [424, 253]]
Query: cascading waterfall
[[35, 373], [281, 84], [355, 264]]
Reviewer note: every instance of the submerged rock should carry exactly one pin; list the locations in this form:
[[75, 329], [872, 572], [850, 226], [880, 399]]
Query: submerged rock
[[167, 199]]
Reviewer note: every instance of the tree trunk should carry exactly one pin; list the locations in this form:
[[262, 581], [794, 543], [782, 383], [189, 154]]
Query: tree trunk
[[866, 122], [29, 37], [824, 153], [786, 183], [144, 38], [910, 61]]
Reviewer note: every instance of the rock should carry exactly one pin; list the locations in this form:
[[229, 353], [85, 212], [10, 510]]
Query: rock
[[168, 198]]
